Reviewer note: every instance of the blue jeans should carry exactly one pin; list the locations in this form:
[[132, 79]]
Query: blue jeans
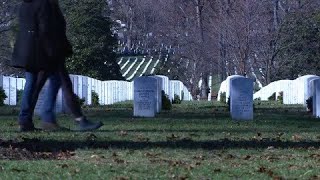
[[47, 111], [33, 86], [28, 101]]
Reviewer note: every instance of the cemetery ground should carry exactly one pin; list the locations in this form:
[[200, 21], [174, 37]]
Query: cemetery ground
[[195, 140]]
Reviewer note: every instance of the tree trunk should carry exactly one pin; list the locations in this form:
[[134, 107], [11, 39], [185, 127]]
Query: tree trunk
[[204, 86]]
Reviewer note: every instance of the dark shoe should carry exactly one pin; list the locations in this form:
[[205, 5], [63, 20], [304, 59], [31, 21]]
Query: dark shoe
[[28, 128], [86, 125], [48, 126]]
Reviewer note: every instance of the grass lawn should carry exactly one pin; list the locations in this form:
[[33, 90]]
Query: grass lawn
[[196, 140]]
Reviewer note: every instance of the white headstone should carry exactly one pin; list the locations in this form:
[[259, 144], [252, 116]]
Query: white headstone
[[125, 90], [9, 85], [99, 90], [110, 91], [290, 91], [108, 87], [74, 80], [313, 96], [186, 94], [159, 93], [121, 96], [210, 85], [93, 84], [115, 91], [145, 92], [225, 87], [130, 90], [316, 98], [6, 88], [13, 91], [89, 90], [309, 91], [85, 93], [80, 87], [102, 96], [176, 88], [165, 83], [20, 83], [303, 84], [241, 98]]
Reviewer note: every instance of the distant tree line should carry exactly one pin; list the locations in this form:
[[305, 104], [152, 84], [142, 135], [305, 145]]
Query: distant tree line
[[265, 39]]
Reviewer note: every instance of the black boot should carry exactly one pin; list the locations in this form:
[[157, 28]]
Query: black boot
[[28, 128], [86, 125]]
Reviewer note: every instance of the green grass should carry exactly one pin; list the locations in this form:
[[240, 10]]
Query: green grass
[[195, 140]]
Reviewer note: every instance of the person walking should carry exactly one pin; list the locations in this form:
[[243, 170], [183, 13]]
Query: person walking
[[41, 49]]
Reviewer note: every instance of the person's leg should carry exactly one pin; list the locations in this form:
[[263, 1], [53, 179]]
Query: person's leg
[[70, 98], [48, 108], [73, 103], [26, 112], [34, 83], [48, 114], [41, 80]]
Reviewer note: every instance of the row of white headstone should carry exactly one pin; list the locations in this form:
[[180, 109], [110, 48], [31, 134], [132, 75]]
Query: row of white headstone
[[109, 92], [294, 91], [147, 96], [10, 86]]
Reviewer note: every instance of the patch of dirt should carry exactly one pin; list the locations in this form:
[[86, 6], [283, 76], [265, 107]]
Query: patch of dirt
[[9, 150], [24, 154]]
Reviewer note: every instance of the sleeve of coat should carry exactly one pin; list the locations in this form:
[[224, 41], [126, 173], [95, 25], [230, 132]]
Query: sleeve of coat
[[44, 23]]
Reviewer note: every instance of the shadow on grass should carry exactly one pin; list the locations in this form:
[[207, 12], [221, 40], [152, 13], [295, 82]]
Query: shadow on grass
[[36, 145]]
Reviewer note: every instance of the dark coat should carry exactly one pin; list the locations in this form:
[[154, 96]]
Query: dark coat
[[41, 41], [61, 45], [31, 47]]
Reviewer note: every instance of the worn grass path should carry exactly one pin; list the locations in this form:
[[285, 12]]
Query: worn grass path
[[193, 141]]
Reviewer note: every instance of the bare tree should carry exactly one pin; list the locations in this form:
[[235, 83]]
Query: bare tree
[[213, 37], [8, 9]]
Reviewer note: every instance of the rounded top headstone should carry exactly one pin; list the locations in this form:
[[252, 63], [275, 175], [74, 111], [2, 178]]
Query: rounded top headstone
[[305, 77], [234, 76]]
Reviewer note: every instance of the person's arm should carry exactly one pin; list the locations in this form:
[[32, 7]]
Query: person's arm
[[44, 17]]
